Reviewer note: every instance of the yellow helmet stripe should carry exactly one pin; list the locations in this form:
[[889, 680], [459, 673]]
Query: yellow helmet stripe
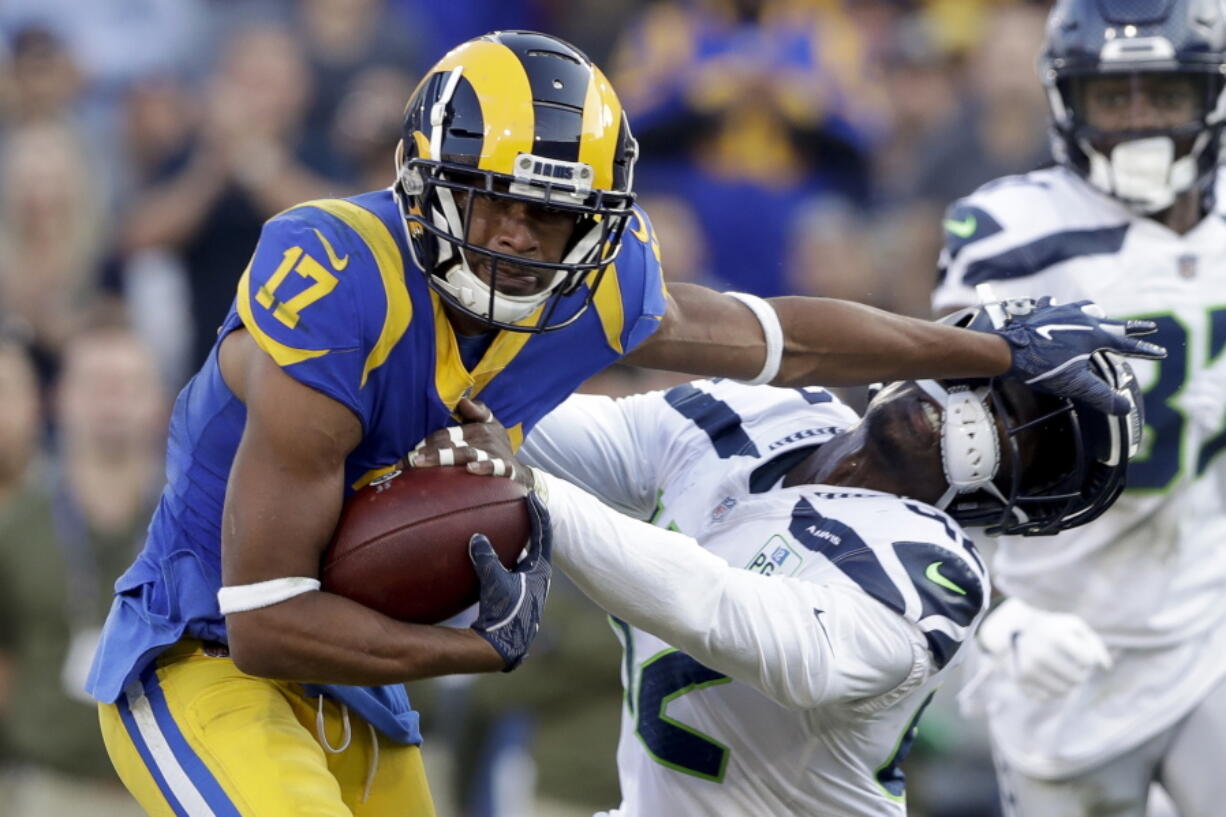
[[501, 84], [602, 117]]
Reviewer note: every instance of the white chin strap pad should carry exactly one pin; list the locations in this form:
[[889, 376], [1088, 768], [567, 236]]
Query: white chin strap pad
[[474, 295], [1143, 172], [970, 448]]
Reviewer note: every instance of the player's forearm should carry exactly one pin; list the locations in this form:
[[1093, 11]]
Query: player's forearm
[[323, 638], [825, 342], [839, 343], [755, 630]]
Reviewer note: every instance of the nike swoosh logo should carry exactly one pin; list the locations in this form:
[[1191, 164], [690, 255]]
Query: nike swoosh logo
[[933, 574], [1046, 331], [338, 264], [962, 229]]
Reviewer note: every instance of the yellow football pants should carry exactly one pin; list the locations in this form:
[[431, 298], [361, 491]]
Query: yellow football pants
[[196, 737]]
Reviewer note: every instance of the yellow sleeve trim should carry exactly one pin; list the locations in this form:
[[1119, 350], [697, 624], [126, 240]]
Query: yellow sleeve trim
[[372, 475], [390, 262], [283, 355]]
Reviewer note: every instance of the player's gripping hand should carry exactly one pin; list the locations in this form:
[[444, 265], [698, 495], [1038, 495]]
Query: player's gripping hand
[[511, 601], [481, 444], [1052, 345], [1048, 654]]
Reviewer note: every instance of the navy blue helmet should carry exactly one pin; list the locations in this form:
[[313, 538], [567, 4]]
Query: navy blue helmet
[[1018, 461], [1143, 42]]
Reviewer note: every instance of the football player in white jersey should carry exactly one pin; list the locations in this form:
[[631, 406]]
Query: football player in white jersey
[[806, 585], [1111, 650]]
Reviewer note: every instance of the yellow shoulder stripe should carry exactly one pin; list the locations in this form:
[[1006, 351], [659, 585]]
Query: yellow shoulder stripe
[[281, 353], [608, 303], [390, 262], [451, 379]]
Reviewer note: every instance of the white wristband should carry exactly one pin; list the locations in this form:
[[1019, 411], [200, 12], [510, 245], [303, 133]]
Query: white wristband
[[244, 597], [766, 316]]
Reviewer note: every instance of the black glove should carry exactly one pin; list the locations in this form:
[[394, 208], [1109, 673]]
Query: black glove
[[511, 601], [1052, 345]]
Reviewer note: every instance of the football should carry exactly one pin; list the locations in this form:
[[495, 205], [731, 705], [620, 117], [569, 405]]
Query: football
[[401, 545]]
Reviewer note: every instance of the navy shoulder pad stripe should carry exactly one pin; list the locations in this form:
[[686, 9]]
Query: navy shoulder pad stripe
[[715, 417], [847, 551], [1042, 253]]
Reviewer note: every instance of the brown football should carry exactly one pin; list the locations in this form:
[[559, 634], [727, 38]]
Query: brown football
[[401, 545]]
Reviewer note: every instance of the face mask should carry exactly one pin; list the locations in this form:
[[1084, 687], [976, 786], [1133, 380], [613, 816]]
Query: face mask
[[1143, 173]]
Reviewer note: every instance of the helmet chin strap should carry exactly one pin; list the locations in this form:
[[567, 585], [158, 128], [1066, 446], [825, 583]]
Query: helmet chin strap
[[970, 448], [1144, 173]]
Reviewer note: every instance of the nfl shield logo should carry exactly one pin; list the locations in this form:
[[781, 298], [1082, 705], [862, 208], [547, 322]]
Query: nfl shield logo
[[721, 510], [1186, 264]]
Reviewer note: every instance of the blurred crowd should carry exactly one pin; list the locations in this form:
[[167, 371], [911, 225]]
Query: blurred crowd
[[788, 146]]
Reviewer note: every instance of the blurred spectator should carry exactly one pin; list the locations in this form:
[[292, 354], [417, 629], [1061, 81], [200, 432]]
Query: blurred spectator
[[20, 420], [1002, 127], [957, 120], [51, 236], [442, 25], [368, 123], [108, 44], [243, 167], [592, 26], [45, 80], [115, 42], [64, 537], [344, 40], [832, 256], [684, 253], [750, 108]]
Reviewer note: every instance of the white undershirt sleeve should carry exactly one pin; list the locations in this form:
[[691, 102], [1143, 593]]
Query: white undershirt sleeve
[[759, 630], [591, 441]]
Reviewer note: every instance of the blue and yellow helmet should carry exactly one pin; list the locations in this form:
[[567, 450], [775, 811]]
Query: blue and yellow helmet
[[521, 116]]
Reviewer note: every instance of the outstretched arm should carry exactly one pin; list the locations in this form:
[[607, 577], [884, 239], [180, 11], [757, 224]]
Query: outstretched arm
[[837, 343], [826, 341], [759, 630]]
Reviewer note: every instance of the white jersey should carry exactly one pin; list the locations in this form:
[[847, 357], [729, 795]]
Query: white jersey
[[816, 659], [1150, 574]]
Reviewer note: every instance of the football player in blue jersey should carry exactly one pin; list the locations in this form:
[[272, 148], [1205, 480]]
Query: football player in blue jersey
[[507, 261]]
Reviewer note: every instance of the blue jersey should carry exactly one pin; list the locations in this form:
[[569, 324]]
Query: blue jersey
[[332, 296]]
